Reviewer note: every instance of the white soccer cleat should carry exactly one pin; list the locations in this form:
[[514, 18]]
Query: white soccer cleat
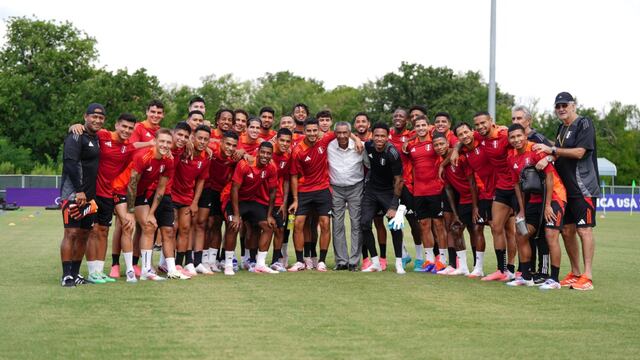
[[459, 271], [321, 267], [373, 268], [191, 270], [446, 271], [476, 273], [520, 281], [215, 268], [298, 266], [264, 270], [150, 275], [228, 270], [202, 269], [400, 270], [277, 266], [131, 277], [177, 275], [308, 263]]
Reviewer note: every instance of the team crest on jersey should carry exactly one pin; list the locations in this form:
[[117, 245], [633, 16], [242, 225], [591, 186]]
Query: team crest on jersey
[[482, 143], [123, 149], [527, 162], [382, 161], [320, 150], [428, 147], [161, 168], [495, 144], [263, 174], [568, 134], [308, 158], [453, 168], [199, 164], [283, 164], [108, 143], [477, 151]]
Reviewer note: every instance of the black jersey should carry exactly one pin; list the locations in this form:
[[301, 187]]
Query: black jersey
[[383, 166], [80, 165], [538, 138], [580, 176]]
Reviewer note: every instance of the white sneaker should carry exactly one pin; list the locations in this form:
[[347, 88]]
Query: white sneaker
[[214, 267], [550, 284], [314, 261], [177, 275], [446, 271], [520, 281], [284, 260], [131, 277], [277, 266], [151, 276], [298, 266], [373, 268], [191, 270], [245, 263], [476, 273], [322, 267], [228, 270], [308, 263], [264, 269], [510, 276], [400, 270], [459, 271], [202, 269]]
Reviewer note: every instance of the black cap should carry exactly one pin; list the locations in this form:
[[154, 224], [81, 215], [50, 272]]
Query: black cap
[[564, 98], [95, 108]]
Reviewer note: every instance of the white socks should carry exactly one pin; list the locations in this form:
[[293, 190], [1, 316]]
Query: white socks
[[479, 260], [285, 246], [205, 257], [162, 258], [443, 256], [420, 252], [145, 256], [261, 258], [431, 257], [462, 256], [171, 264], [128, 260], [213, 256], [228, 259]]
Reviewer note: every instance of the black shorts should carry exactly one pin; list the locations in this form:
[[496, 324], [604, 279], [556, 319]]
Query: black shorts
[[559, 210], [581, 211], [319, 200], [446, 206], [280, 221], [374, 201], [164, 214], [428, 207], [72, 223], [251, 211], [179, 206], [507, 197], [104, 216], [484, 208], [532, 213], [211, 199], [465, 213], [407, 199]]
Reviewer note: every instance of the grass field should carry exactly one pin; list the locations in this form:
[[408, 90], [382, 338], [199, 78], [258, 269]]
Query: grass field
[[312, 315]]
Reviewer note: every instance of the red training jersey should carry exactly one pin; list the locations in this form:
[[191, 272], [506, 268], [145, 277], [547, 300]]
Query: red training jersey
[[115, 156], [220, 169], [282, 161], [187, 173], [479, 163], [517, 162], [496, 146], [458, 178], [398, 139], [425, 168], [311, 165]]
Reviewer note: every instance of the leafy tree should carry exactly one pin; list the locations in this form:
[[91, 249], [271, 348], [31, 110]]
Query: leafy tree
[[282, 90], [41, 64], [19, 158], [343, 102]]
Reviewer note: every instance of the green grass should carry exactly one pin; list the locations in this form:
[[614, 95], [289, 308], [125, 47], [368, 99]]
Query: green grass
[[312, 315]]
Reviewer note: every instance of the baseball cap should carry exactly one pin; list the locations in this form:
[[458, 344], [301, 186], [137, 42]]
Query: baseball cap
[[564, 98], [95, 108]]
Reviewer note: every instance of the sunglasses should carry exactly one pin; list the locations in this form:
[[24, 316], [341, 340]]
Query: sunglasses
[[561, 106]]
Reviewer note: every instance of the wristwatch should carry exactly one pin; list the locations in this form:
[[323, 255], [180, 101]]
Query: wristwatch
[[553, 150], [549, 158]]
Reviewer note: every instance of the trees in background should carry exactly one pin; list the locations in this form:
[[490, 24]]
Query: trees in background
[[48, 76]]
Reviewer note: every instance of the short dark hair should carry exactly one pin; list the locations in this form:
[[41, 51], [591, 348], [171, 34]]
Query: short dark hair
[[304, 106], [422, 109], [182, 125], [239, 111], [196, 99], [254, 119], [421, 117], [163, 131], [156, 103], [438, 135], [219, 113], [443, 113], [202, 128], [268, 109], [230, 134], [310, 121], [323, 114], [516, 126], [284, 131], [380, 125], [127, 117], [362, 113], [482, 113], [461, 124], [195, 112], [266, 144]]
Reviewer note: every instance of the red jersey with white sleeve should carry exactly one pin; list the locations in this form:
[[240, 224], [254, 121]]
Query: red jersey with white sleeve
[[115, 156], [517, 162], [398, 139], [176, 153], [458, 178], [425, 168], [220, 168], [282, 161], [479, 162], [187, 173], [496, 146], [310, 164]]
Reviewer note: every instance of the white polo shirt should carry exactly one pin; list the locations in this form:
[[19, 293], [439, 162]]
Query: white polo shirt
[[345, 165]]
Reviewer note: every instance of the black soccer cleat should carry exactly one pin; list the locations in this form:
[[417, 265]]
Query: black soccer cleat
[[68, 281], [82, 281]]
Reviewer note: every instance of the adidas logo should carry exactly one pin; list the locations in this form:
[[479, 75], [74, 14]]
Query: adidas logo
[[550, 223], [149, 168], [515, 166], [581, 222], [108, 143], [148, 134], [307, 158], [413, 150], [250, 175], [90, 144]]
